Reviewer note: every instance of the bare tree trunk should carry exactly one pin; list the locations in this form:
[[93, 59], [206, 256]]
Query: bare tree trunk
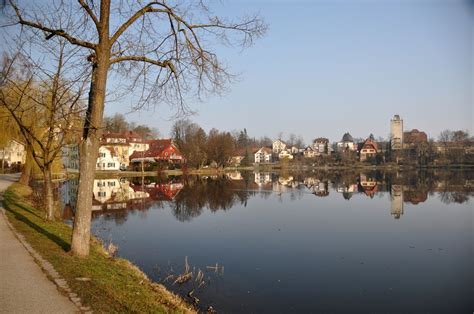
[[48, 193], [89, 147], [88, 152], [82, 218], [26, 173]]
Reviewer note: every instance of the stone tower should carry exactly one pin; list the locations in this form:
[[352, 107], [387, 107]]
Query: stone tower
[[396, 132]]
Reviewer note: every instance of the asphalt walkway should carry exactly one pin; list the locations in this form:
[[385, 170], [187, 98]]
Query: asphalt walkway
[[24, 288]]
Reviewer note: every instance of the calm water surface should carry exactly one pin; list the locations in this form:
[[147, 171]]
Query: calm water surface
[[314, 242]]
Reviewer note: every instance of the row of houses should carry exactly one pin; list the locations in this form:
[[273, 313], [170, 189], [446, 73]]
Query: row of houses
[[319, 147], [367, 149], [120, 151]]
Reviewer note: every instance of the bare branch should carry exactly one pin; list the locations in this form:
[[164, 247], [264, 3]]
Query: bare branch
[[89, 12], [52, 32], [163, 64]]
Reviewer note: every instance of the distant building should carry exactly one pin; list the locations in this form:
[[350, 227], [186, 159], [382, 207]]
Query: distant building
[[285, 154], [236, 160], [264, 154], [396, 132], [278, 146], [294, 150], [368, 149], [162, 150], [309, 152], [321, 145], [13, 153], [124, 144], [346, 143], [414, 138], [107, 159]]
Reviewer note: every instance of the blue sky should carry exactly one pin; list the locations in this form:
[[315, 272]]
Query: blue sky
[[328, 67]]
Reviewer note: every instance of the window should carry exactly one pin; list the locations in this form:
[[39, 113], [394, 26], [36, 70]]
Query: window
[[111, 183], [102, 194], [110, 164], [102, 155]]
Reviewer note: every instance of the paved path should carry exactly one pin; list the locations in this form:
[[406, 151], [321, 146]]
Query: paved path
[[24, 288]]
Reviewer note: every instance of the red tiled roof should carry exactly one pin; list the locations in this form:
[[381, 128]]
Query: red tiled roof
[[156, 148], [369, 142]]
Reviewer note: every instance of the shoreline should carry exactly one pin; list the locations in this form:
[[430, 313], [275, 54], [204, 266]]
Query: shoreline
[[101, 281], [276, 167]]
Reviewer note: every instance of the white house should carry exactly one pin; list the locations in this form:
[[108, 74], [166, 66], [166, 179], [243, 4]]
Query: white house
[[278, 146], [294, 150], [321, 145], [309, 152], [346, 143], [124, 144], [13, 153], [264, 154], [107, 160], [285, 154]]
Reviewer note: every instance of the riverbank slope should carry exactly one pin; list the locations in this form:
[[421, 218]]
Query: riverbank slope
[[103, 283]]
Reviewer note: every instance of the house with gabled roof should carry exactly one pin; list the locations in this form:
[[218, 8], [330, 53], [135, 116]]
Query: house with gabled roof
[[124, 144], [321, 145], [368, 149], [264, 154], [278, 146], [309, 152], [163, 150]]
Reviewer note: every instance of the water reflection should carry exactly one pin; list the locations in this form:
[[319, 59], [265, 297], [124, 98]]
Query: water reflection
[[190, 195], [298, 242]]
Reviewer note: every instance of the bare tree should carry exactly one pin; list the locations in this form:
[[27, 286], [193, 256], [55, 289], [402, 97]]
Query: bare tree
[[445, 137], [161, 49], [220, 147], [191, 141], [116, 123], [45, 107]]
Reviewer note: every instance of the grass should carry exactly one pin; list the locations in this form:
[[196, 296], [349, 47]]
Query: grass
[[116, 285]]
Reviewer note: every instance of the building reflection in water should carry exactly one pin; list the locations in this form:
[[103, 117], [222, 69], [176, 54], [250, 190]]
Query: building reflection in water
[[396, 197], [188, 196]]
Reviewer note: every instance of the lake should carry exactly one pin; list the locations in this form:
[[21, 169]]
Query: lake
[[303, 242]]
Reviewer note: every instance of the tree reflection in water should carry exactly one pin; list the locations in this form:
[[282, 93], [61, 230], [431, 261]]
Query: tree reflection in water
[[188, 196]]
